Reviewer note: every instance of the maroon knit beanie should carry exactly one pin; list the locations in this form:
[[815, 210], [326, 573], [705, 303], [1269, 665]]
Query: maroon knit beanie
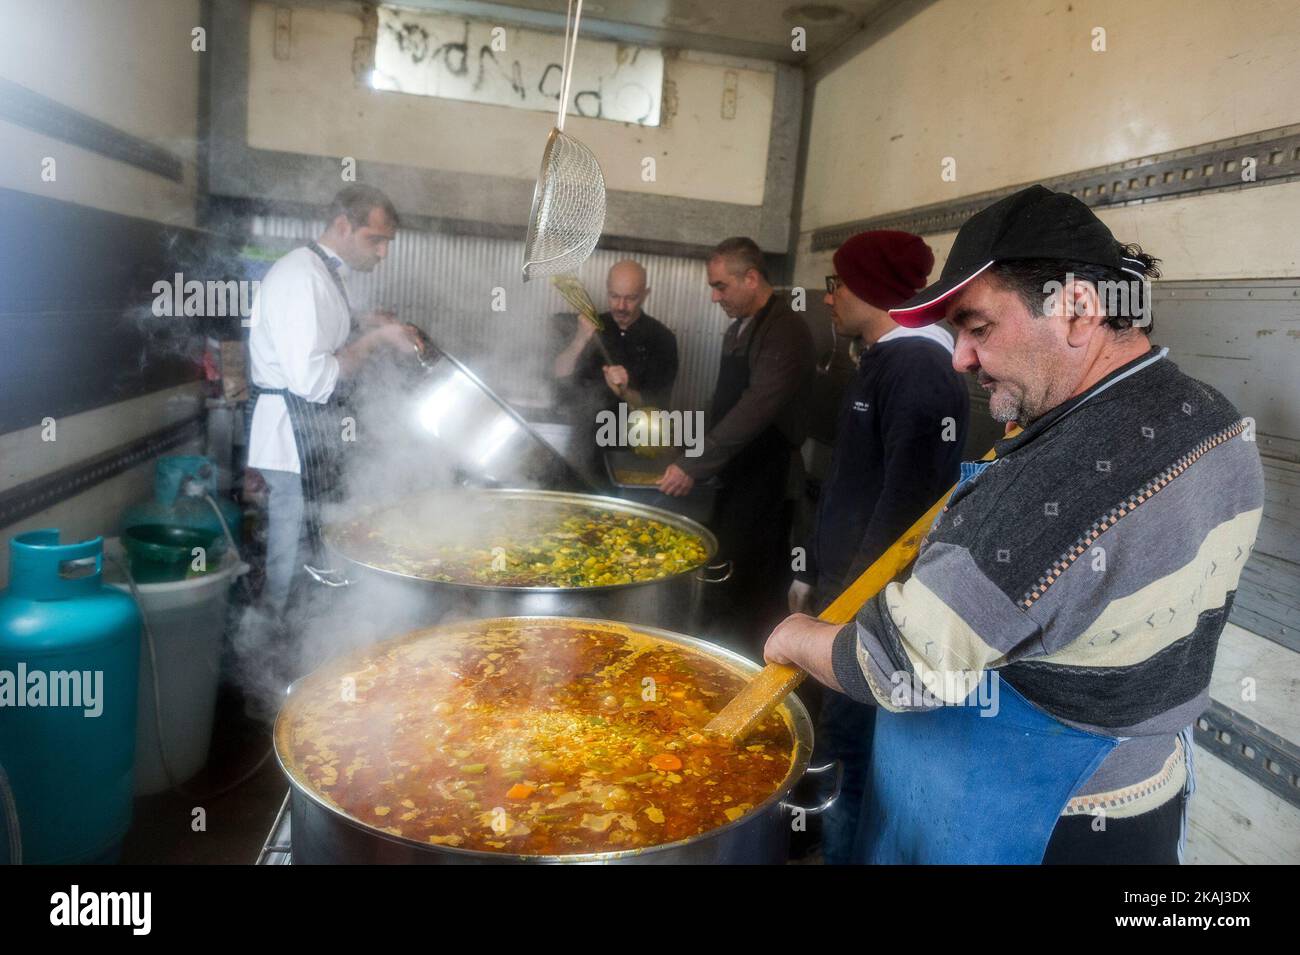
[[884, 268]]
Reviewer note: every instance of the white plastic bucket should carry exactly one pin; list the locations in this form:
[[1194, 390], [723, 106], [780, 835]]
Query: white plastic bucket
[[188, 621]]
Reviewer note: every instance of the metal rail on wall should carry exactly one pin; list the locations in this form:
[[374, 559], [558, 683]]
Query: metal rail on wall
[[1261, 754], [1210, 167], [32, 497]]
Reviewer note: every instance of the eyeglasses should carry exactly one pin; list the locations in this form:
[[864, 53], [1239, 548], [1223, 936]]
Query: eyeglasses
[[832, 283]]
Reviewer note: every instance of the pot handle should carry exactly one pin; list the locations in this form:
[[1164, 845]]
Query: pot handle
[[727, 567], [821, 807], [330, 578]]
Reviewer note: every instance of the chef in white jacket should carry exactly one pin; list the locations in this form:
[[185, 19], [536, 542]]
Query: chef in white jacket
[[304, 344]]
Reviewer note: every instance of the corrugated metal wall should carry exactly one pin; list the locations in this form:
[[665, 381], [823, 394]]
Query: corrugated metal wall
[[1243, 338], [446, 284]]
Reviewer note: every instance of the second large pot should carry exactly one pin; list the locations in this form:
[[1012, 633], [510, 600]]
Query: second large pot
[[673, 602]]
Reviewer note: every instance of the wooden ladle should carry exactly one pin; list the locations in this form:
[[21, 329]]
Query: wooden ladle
[[775, 681]]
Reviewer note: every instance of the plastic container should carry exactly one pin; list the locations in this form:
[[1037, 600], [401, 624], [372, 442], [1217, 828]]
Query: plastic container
[[68, 752], [188, 620], [166, 552]]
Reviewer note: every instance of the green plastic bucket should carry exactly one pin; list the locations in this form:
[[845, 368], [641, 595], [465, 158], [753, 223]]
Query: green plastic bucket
[[160, 553]]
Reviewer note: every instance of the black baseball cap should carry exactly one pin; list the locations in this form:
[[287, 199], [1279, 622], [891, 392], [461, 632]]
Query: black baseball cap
[[1034, 223]]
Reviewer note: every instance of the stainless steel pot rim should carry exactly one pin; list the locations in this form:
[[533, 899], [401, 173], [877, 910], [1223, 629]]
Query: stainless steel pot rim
[[798, 719], [567, 497]]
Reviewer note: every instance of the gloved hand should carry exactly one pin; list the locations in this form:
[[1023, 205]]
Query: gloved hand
[[799, 597]]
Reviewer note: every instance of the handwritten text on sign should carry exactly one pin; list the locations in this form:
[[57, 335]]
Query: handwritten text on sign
[[483, 62]]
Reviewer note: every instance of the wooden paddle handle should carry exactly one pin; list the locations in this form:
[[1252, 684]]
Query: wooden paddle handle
[[775, 681], [604, 352]]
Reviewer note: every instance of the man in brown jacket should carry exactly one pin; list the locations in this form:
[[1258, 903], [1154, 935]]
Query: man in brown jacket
[[758, 422]]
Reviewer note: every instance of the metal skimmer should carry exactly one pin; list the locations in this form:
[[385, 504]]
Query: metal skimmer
[[568, 211]]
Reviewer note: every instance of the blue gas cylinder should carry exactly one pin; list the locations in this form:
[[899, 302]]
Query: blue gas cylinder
[[69, 670], [174, 476]]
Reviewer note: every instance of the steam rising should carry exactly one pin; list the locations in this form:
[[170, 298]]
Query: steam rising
[[392, 458], [391, 467]]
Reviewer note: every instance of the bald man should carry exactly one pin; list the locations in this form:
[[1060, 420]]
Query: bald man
[[643, 351]]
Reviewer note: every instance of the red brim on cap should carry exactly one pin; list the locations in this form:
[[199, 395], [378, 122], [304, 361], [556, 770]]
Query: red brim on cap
[[930, 304]]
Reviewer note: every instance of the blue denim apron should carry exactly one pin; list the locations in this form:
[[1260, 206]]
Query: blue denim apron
[[972, 784]]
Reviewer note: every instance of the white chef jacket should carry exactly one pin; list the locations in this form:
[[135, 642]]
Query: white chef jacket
[[299, 320]]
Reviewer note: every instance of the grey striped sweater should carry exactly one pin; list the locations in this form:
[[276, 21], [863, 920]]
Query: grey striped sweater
[[1093, 565]]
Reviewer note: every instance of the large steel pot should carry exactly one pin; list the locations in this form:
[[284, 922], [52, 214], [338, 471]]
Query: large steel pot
[[672, 602], [322, 834], [488, 440]]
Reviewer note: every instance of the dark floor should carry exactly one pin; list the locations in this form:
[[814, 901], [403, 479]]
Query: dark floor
[[233, 825]]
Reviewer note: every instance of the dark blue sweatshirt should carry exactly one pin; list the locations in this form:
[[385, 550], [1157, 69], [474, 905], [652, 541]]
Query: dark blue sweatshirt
[[898, 447]]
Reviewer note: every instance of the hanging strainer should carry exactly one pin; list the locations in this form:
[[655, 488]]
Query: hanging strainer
[[569, 201]]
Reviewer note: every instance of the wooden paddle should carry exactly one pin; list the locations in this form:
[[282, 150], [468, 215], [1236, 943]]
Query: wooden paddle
[[775, 681]]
